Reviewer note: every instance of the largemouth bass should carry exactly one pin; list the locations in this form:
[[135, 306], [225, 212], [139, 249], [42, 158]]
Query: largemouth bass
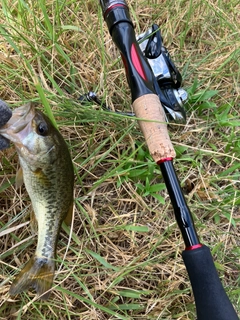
[[47, 172]]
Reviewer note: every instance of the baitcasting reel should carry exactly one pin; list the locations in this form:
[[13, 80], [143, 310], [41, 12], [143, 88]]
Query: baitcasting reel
[[168, 79]]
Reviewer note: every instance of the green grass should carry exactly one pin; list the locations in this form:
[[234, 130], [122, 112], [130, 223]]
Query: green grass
[[123, 260]]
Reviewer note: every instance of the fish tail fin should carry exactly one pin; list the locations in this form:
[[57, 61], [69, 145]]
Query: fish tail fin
[[38, 273]]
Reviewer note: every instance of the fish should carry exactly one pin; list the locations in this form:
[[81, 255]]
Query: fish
[[48, 174]]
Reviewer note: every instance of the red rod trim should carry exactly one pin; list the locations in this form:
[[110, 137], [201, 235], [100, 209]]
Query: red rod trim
[[164, 160], [196, 246], [112, 7]]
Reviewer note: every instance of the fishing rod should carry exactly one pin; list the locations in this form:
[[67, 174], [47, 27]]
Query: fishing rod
[[212, 302]]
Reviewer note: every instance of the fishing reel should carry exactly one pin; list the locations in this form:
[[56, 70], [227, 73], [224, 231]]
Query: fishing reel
[[167, 78]]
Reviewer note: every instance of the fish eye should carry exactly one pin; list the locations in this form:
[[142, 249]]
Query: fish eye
[[42, 129]]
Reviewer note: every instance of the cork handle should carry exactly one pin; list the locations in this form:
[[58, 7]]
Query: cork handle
[[154, 129]]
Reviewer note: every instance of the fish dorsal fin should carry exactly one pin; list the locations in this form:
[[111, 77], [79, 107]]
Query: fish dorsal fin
[[69, 216], [19, 178]]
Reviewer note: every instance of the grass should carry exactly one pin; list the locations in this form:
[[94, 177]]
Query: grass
[[123, 260]]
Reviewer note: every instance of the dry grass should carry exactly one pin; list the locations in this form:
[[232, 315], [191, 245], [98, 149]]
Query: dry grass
[[123, 260]]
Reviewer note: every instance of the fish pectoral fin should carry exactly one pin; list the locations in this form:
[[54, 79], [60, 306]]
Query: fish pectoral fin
[[19, 178], [42, 177], [69, 216], [38, 273]]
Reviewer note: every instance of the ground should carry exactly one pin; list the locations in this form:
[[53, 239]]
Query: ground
[[123, 259]]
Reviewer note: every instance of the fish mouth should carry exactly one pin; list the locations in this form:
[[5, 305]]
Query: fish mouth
[[19, 125]]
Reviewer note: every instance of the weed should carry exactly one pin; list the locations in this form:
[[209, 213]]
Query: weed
[[123, 259]]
